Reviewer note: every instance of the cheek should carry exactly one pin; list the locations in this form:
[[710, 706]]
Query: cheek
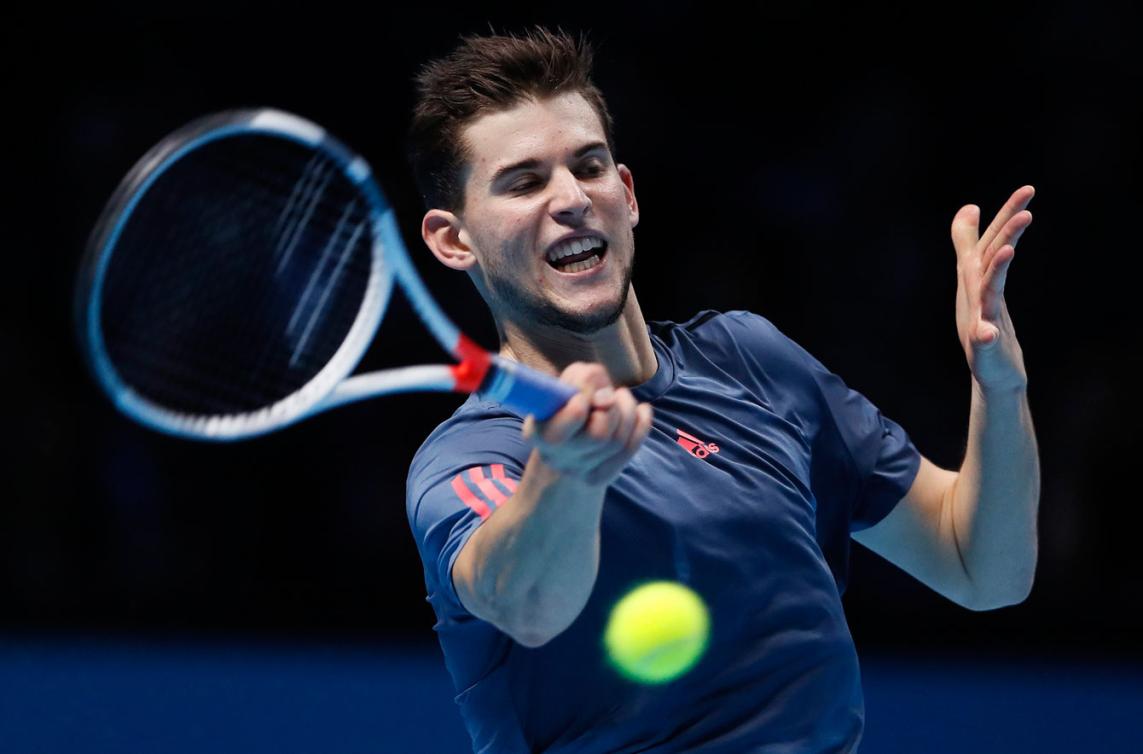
[[516, 240], [507, 250], [616, 199]]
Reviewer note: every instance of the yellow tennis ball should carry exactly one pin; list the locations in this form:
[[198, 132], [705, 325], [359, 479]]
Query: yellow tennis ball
[[657, 632]]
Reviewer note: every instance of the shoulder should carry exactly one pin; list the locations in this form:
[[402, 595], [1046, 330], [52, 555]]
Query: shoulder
[[479, 435], [477, 432], [738, 336], [715, 326]]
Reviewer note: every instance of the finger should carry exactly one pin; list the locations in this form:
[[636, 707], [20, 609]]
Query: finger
[[1009, 236], [586, 376], [627, 406], [987, 335], [602, 422], [992, 292], [997, 273], [1017, 202], [1015, 228], [611, 465], [566, 422], [603, 398], [964, 229], [643, 423]]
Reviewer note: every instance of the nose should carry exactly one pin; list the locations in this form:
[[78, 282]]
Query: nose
[[569, 200]]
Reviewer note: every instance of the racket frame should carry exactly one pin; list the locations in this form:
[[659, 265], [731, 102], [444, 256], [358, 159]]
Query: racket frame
[[331, 386]]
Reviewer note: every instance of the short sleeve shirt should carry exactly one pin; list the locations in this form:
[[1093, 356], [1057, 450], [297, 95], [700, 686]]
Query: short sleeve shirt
[[759, 465]]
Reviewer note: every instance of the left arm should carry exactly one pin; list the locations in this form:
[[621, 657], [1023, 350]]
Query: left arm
[[972, 535], [996, 497]]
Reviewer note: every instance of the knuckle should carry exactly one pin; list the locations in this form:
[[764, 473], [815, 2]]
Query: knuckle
[[564, 423], [586, 375], [646, 421], [574, 372], [598, 429]]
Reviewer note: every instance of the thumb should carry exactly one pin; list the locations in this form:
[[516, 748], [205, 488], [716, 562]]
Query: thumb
[[966, 228], [987, 336]]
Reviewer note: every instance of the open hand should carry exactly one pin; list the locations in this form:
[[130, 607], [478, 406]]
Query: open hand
[[982, 321]]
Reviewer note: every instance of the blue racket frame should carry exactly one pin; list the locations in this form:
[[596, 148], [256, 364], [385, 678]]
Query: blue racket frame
[[516, 386]]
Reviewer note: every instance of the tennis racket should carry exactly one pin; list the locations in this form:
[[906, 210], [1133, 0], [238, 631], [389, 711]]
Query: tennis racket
[[239, 273]]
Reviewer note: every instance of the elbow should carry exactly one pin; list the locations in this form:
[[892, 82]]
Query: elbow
[[531, 634], [532, 623], [531, 639], [527, 633], [996, 601], [1012, 592]]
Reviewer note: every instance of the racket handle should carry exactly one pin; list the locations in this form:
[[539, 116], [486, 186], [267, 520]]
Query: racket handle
[[525, 390]]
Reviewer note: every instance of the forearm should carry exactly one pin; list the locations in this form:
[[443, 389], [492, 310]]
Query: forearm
[[535, 560], [996, 498]]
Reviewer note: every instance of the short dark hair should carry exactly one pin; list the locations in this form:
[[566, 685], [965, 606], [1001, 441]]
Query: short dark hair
[[487, 74]]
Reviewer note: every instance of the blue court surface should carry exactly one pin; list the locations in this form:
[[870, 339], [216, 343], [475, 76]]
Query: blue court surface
[[143, 696]]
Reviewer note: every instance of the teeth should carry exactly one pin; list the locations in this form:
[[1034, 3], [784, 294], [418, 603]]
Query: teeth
[[586, 264], [574, 246]]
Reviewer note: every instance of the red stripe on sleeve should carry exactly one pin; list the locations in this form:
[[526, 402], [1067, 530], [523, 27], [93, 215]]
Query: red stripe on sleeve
[[498, 475], [476, 474], [472, 501]]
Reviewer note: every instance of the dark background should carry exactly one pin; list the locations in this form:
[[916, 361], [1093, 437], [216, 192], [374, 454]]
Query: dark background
[[795, 162]]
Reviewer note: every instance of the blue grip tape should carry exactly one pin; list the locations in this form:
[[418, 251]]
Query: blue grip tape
[[525, 390]]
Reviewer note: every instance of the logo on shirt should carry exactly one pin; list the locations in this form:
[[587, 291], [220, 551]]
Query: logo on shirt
[[484, 488], [695, 446]]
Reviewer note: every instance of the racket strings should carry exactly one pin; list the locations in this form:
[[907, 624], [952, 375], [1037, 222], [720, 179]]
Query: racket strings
[[209, 391], [236, 277], [310, 194]]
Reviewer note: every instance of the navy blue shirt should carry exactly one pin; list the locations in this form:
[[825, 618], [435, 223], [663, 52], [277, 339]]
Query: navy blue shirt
[[759, 465]]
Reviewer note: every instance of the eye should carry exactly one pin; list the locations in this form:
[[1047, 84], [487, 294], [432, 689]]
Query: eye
[[593, 168], [523, 185]]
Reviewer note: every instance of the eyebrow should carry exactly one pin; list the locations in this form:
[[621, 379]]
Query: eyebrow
[[534, 163]]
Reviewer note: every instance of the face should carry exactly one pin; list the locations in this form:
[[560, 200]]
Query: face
[[548, 216]]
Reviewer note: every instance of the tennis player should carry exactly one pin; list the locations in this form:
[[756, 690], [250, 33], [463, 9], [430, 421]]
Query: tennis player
[[715, 452]]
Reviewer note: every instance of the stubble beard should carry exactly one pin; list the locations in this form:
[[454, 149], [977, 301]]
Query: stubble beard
[[531, 308]]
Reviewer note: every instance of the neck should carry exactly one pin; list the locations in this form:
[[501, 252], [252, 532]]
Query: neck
[[623, 347]]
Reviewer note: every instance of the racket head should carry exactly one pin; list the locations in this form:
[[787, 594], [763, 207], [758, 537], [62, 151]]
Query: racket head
[[236, 276]]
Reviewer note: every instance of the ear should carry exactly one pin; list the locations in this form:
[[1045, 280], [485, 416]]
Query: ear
[[629, 184], [446, 238]]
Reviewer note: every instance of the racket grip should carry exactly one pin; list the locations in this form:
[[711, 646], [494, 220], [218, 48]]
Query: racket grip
[[525, 390]]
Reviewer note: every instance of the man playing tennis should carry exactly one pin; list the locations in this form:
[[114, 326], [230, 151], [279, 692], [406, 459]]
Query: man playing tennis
[[746, 482]]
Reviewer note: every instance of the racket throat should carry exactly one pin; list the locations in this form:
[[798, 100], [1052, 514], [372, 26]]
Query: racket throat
[[524, 390], [473, 367]]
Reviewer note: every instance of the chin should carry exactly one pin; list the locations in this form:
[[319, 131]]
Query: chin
[[586, 323], [596, 316], [586, 319]]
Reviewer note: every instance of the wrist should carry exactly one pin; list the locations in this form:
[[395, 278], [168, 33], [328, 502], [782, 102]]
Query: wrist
[[994, 394], [549, 472]]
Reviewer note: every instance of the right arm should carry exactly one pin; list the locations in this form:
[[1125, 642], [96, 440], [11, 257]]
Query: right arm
[[530, 568]]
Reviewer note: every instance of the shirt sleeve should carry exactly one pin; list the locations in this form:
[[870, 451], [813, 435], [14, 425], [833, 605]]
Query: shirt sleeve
[[462, 474], [885, 457], [864, 457]]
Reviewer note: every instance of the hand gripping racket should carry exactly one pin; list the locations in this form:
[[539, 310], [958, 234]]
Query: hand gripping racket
[[240, 271]]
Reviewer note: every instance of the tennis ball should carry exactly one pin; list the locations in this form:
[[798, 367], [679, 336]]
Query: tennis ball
[[657, 632]]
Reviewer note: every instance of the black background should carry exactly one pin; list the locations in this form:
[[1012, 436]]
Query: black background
[[796, 162]]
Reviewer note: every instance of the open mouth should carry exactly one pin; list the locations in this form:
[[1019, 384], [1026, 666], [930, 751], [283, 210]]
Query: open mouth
[[578, 255]]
